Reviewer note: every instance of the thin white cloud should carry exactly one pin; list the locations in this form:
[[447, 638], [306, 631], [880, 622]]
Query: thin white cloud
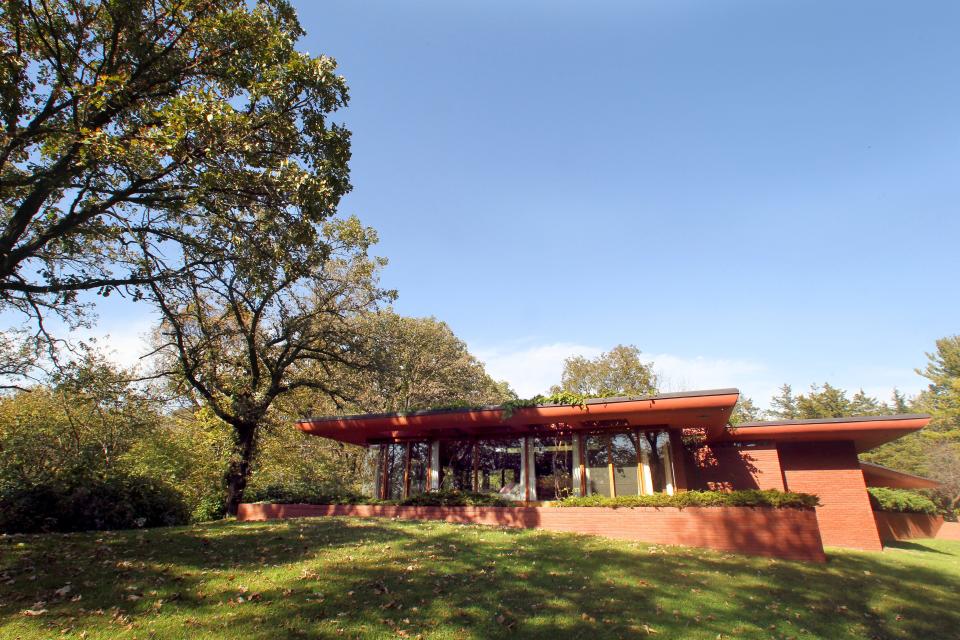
[[125, 343], [533, 369], [681, 373]]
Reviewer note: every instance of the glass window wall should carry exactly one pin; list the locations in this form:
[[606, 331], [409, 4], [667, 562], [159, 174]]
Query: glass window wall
[[627, 463], [498, 468], [553, 462], [456, 465], [419, 462], [395, 474]]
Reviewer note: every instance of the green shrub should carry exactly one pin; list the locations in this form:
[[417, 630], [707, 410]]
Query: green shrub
[[901, 501], [209, 507], [79, 502], [303, 494], [310, 495], [743, 498], [454, 499]]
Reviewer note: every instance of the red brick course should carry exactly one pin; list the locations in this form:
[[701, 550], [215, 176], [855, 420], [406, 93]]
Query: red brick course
[[782, 533], [905, 526], [726, 467], [831, 471]]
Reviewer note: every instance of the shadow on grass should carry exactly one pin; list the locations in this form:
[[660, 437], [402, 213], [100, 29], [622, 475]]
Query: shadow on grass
[[370, 578], [913, 546]]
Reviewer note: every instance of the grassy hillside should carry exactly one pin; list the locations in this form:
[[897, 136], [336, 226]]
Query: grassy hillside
[[384, 579]]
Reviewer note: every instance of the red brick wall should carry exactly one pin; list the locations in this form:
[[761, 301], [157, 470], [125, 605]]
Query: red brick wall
[[725, 467], [905, 526], [784, 533], [831, 470], [949, 531]]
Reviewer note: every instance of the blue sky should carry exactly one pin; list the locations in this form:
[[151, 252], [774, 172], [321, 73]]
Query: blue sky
[[751, 192]]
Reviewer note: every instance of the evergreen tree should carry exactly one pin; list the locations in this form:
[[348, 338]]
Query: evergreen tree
[[784, 406]]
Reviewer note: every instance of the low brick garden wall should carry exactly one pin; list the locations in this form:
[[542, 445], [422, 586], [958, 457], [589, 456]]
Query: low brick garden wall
[[782, 533], [949, 531], [906, 526]]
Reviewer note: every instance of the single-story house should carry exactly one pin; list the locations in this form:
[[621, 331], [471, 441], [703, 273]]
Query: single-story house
[[631, 446]]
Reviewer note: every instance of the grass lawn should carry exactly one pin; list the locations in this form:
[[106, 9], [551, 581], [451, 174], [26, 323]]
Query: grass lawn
[[344, 577]]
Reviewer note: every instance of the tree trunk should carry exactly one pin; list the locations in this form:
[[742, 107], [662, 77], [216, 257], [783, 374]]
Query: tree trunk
[[238, 472]]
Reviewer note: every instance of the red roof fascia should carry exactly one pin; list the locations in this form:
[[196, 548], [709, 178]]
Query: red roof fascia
[[709, 410], [877, 475], [866, 433]]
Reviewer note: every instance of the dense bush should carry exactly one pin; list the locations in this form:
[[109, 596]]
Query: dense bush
[[303, 494], [900, 500], [77, 502], [208, 508], [745, 498]]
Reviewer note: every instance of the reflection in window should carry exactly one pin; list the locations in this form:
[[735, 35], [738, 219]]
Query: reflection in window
[[396, 464], [394, 472], [656, 446], [498, 468], [487, 466], [419, 461], [597, 453], [626, 464], [456, 465], [553, 462], [636, 461]]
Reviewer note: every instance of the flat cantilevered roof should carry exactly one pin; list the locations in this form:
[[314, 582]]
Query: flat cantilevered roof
[[876, 475], [865, 432], [708, 409]]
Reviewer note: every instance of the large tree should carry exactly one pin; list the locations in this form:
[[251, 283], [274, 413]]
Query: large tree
[[279, 318], [421, 363], [619, 371], [135, 131]]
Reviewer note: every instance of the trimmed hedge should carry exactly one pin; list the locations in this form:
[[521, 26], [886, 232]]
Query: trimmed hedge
[[305, 495], [453, 499], [447, 498], [901, 501], [743, 498]]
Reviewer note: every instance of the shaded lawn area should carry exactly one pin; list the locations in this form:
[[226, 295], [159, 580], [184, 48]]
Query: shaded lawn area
[[375, 578]]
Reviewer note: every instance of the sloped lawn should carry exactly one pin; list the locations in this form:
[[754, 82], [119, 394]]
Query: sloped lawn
[[342, 577]]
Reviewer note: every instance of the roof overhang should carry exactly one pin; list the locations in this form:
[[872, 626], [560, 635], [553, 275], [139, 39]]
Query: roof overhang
[[876, 475], [709, 410], [865, 432]]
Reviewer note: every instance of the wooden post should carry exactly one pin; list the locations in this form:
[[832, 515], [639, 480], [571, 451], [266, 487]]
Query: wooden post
[[384, 486], [525, 470], [406, 473], [427, 478], [578, 485], [473, 457], [613, 485], [434, 465], [583, 467], [641, 485]]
